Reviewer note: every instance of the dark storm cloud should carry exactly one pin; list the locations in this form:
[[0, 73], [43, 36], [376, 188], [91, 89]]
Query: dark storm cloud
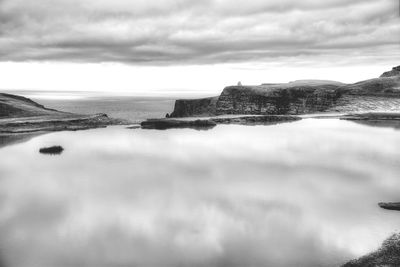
[[182, 32]]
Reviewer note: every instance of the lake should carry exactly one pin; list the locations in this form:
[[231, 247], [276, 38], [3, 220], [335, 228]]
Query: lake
[[295, 194]]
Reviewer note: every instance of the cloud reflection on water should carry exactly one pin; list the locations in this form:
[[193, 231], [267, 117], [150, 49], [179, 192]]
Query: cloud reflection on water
[[299, 194]]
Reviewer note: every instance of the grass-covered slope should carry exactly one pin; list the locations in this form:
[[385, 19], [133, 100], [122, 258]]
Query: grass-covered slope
[[13, 106], [22, 115]]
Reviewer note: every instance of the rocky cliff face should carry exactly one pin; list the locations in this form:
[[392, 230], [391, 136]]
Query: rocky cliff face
[[195, 107], [277, 99], [394, 72], [300, 97]]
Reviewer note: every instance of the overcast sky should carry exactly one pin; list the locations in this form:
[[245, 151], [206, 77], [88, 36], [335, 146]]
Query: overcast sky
[[145, 45]]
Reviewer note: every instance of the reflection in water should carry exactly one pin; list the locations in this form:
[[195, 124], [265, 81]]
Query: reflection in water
[[395, 124], [10, 139], [298, 194]]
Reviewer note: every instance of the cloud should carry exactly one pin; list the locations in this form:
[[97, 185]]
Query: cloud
[[174, 32]]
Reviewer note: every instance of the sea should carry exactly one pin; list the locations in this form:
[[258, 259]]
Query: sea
[[298, 194], [128, 107]]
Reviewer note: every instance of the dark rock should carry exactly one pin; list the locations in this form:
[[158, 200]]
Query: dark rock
[[54, 150], [194, 107], [163, 124], [277, 99], [387, 255], [167, 115], [390, 205]]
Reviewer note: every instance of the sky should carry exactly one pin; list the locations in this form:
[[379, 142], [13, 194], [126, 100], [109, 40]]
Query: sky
[[192, 46]]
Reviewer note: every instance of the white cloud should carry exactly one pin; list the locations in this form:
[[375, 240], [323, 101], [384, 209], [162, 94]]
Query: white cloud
[[287, 34]]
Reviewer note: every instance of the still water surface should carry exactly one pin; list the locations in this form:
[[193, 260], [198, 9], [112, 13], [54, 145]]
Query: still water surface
[[295, 194]]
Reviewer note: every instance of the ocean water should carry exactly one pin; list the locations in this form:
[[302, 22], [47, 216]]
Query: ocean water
[[298, 194], [131, 108]]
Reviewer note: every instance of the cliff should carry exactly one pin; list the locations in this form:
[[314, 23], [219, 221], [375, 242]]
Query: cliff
[[299, 97], [22, 115], [291, 98], [194, 107], [394, 72]]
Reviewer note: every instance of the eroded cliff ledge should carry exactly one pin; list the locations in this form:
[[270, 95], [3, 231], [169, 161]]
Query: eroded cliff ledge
[[299, 97]]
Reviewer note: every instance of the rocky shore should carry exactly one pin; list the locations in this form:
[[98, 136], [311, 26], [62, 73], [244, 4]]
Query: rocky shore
[[388, 255]]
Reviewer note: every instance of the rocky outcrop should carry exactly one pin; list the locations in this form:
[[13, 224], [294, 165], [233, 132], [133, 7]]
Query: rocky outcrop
[[390, 205], [277, 99], [394, 72], [388, 255], [299, 97], [194, 107]]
